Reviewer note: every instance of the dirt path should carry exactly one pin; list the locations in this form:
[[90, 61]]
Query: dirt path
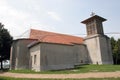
[[63, 76]]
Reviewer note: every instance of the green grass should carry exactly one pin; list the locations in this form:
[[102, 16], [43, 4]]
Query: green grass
[[8, 78], [78, 69]]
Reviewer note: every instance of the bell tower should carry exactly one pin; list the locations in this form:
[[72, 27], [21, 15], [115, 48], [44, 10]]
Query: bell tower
[[94, 25], [98, 44]]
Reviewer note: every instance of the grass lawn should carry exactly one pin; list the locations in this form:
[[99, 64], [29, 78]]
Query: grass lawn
[[8, 78], [78, 69]]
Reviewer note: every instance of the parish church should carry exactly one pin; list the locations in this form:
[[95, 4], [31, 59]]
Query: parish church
[[44, 50]]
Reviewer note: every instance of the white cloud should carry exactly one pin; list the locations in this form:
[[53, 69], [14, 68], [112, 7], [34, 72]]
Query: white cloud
[[13, 19], [37, 25], [54, 15], [17, 21]]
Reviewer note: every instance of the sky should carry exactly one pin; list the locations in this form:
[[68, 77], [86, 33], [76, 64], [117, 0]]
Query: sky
[[61, 16]]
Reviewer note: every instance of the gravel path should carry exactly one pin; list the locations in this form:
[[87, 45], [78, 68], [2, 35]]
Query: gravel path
[[63, 76]]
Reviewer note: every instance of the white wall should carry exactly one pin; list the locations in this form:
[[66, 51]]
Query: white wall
[[93, 49], [35, 65]]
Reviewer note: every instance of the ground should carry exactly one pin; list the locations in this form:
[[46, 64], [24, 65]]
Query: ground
[[83, 71], [64, 76]]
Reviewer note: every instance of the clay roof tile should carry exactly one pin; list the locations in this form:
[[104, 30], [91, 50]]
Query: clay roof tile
[[51, 37]]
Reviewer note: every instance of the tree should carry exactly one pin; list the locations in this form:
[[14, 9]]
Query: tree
[[5, 44], [115, 50], [113, 43], [118, 55]]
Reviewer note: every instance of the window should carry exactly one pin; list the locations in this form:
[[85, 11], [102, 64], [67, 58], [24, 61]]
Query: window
[[91, 29], [35, 58]]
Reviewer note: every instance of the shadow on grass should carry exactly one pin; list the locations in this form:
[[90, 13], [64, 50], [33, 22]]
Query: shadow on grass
[[80, 66], [4, 70], [67, 70]]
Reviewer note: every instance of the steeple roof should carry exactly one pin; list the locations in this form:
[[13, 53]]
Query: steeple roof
[[92, 18]]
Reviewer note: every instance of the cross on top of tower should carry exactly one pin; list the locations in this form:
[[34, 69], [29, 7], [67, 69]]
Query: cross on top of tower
[[92, 14]]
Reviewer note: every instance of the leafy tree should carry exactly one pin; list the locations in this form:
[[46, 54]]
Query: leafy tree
[[115, 50], [113, 43], [5, 44], [118, 55]]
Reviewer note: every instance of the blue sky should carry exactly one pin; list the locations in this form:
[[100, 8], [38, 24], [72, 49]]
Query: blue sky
[[62, 16]]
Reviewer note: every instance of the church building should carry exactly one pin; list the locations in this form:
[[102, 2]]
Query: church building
[[53, 51]]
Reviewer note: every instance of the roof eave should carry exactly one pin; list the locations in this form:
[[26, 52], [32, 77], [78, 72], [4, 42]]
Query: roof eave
[[93, 17]]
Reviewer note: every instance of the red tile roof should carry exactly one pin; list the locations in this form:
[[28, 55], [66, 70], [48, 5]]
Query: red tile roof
[[51, 37]]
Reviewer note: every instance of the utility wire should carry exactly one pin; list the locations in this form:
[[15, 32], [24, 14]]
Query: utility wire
[[68, 34]]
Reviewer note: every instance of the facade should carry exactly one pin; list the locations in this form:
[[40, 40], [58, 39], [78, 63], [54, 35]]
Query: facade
[[50, 56], [19, 58], [99, 49], [98, 44], [52, 51]]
